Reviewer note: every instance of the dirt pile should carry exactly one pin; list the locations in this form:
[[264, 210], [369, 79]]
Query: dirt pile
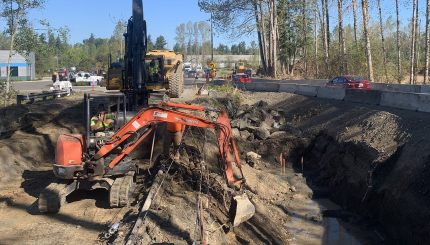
[[29, 133]]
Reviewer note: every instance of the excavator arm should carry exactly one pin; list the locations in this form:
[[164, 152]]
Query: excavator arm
[[148, 117]]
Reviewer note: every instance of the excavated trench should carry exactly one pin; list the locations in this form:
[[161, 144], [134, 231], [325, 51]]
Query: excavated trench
[[352, 176], [368, 170]]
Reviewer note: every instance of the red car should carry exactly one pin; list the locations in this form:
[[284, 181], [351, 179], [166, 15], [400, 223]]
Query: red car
[[243, 78], [349, 81]]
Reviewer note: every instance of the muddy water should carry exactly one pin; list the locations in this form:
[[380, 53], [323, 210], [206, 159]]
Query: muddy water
[[308, 225]]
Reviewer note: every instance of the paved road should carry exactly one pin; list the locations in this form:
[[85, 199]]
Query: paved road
[[32, 86], [44, 85], [316, 82]]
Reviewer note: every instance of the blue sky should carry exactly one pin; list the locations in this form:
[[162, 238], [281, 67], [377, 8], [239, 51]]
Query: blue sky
[[99, 16]]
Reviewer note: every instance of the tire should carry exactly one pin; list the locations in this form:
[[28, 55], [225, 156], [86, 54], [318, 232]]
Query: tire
[[176, 84]]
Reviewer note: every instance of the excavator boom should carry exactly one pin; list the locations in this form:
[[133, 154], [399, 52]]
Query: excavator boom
[[241, 209]]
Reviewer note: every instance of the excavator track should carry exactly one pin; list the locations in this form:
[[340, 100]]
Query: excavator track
[[120, 192], [52, 198]]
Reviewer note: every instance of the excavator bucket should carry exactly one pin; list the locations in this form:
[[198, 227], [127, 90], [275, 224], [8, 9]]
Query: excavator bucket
[[241, 209]]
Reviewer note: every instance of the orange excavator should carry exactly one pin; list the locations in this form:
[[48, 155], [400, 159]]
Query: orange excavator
[[81, 164]]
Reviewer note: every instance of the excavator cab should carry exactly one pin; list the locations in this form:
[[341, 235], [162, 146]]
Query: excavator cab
[[155, 70]]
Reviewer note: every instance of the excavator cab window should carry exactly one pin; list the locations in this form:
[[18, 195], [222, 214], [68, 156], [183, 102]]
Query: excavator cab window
[[154, 68]]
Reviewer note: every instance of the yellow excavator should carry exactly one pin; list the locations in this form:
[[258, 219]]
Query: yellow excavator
[[163, 71]]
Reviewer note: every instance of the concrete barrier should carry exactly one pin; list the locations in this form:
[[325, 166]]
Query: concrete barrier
[[288, 88], [267, 87], [407, 101], [307, 90], [331, 93], [425, 89], [389, 95], [424, 102], [248, 86], [370, 97]]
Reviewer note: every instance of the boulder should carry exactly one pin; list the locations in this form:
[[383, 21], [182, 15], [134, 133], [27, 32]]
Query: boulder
[[239, 123], [292, 130], [278, 134], [244, 134], [261, 133], [253, 159], [236, 133]]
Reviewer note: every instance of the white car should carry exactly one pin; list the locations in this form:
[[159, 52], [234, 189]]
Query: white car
[[87, 77], [62, 86]]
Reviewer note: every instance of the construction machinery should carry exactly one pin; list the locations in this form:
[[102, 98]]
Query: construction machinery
[[133, 75], [85, 162], [90, 161], [169, 75], [240, 67]]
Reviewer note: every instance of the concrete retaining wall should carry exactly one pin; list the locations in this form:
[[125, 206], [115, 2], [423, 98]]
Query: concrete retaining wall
[[288, 88], [395, 99], [425, 89], [408, 101], [307, 90], [267, 87], [406, 88], [424, 102], [370, 97], [331, 93]]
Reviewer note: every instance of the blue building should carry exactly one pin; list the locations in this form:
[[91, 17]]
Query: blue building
[[21, 68]]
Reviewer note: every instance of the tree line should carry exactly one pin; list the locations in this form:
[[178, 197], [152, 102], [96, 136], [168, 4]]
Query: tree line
[[193, 38], [300, 38], [53, 50]]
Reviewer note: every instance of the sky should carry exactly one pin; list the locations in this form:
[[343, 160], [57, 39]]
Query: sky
[[84, 17]]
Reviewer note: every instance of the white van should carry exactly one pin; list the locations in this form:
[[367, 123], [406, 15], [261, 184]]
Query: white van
[[187, 67]]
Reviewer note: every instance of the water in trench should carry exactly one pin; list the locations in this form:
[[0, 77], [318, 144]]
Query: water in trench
[[321, 221]]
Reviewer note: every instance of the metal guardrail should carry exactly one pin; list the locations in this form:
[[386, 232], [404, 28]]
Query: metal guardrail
[[44, 95]]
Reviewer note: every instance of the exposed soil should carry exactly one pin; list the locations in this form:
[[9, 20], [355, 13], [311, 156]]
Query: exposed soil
[[339, 143]]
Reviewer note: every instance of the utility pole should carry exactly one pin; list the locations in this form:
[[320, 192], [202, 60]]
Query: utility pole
[[212, 39]]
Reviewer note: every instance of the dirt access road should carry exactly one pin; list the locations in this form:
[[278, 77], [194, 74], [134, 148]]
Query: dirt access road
[[339, 143]]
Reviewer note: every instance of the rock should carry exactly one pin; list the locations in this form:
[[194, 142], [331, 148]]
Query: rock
[[236, 133], [274, 113], [239, 123], [253, 159], [278, 134], [293, 189], [264, 114], [255, 120], [244, 134], [261, 133], [262, 104], [281, 120], [266, 125], [240, 113], [251, 137], [234, 123]]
